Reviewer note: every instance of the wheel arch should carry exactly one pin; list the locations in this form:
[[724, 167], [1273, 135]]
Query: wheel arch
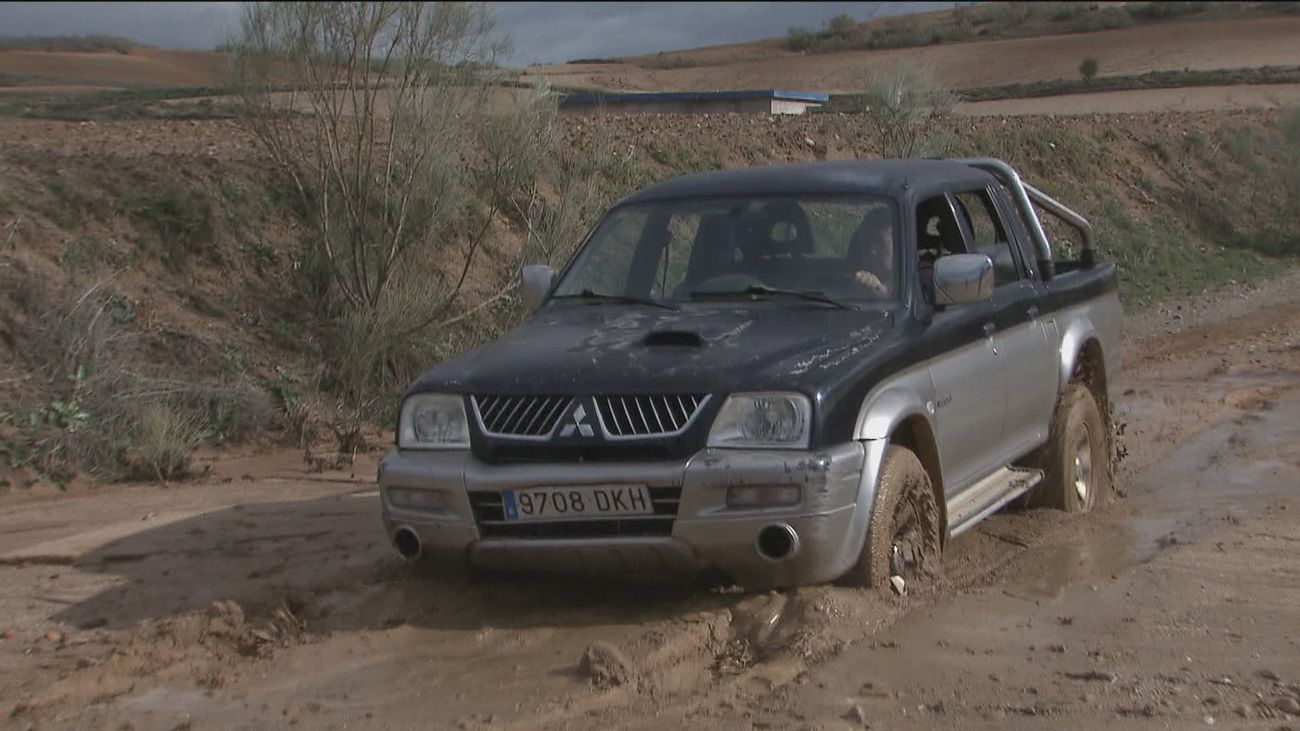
[[901, 417], [1081, 355], [1084, 362]]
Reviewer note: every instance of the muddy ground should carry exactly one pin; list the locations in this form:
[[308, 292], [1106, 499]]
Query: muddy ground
[[264, 595]]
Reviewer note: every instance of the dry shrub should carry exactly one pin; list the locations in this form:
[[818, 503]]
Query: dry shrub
[[384, 120], [104, 402], [162, 441], [904, 107]]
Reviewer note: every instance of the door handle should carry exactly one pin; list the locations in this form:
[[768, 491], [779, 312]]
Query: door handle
[[988, 329]]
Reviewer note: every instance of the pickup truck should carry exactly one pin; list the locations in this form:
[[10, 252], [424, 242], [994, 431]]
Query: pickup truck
[[773, 376]]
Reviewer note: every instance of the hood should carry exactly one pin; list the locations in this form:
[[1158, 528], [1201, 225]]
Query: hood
[[579, 348]]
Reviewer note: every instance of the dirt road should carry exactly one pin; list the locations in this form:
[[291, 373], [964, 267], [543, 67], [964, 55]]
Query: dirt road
[[1142, 101], [265, 595]]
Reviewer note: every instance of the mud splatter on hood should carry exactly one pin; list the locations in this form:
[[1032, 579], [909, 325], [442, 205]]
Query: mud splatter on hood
[[714, 347]]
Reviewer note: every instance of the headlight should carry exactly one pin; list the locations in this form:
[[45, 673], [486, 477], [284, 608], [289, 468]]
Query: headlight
[[772, 420], [433, 421]]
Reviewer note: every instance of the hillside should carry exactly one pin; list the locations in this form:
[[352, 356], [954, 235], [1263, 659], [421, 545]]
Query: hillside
[[1185, 44], [29, 70]]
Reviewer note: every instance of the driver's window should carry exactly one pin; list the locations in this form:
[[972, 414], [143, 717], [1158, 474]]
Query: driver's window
[[988, 234]]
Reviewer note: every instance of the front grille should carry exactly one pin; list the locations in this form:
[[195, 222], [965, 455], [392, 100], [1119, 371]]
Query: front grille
[[520, 416], [490, 514], [648, 416], [601, 452]]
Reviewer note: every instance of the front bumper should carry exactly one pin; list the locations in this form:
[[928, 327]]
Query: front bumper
[[837, 489]]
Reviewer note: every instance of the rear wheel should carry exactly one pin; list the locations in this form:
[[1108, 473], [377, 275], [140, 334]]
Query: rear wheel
[[1077, 458], [903, 536]]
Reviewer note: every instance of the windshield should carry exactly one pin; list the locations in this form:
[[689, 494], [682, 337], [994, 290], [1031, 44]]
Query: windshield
[[838, 247]]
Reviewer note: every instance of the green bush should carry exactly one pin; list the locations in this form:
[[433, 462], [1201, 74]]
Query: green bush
[[1088, 69], [843, 26], [800, 39], [1108, 18], [180, 219], [85, 253], [1166, 9]]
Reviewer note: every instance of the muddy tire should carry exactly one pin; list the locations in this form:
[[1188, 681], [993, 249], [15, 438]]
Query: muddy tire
[[903, 536], [1077, 457]]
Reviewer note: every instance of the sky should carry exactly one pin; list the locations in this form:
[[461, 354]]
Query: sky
[[539, 32]]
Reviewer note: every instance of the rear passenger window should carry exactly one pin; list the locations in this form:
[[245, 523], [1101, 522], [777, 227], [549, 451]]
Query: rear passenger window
[[989, 235]]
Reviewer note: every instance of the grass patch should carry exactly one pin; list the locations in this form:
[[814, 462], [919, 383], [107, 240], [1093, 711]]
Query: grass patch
[[118, 104], [69, 44], [180, 219], [83, 253], [1150, 80], [1160, 260], [680, 159], [161, 445], [995, 20], [671, 61], [68, 206]]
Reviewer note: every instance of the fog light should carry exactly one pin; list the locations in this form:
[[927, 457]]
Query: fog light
[[758, 497], [403, 497]]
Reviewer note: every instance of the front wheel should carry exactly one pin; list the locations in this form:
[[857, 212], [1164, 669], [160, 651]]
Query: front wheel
[[1077, 459], [903, 536]]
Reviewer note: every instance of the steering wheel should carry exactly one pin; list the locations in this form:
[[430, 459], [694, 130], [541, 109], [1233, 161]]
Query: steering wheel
[[731, 282], [843, 282]]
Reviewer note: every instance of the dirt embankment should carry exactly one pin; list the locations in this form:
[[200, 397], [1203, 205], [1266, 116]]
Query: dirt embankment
[[199, 262], [266, 595]]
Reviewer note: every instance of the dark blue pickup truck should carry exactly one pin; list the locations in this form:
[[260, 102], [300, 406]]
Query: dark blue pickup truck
[[785, 375]]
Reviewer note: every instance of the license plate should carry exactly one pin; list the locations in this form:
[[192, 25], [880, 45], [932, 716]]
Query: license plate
[[553, 503]]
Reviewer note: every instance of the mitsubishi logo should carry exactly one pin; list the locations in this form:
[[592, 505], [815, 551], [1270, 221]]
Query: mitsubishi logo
[[578, 425]]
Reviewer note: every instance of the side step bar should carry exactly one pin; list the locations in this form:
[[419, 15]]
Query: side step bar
[[979, 500]]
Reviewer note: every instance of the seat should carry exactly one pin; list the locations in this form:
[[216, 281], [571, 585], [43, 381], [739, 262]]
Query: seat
[[937, 234], [712, 251]]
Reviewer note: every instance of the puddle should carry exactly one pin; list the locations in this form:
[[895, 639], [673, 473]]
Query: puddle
[[1212, 475], [1218, 473], [169, 701]]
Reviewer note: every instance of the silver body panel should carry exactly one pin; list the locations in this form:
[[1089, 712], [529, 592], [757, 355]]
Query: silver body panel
[[963, 393]]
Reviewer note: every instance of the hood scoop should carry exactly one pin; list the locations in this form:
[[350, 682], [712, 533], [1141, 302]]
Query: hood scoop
[[673, 338]]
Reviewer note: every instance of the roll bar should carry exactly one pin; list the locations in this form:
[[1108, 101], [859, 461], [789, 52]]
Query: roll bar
[[1025, 195]]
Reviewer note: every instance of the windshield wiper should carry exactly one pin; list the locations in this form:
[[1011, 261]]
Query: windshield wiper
[[754, 289], [591, 296]]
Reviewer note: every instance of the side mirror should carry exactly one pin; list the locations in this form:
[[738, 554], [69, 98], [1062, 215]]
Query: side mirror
[[962, 279], [537, 280]]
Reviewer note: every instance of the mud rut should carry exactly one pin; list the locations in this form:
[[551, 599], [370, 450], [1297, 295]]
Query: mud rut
[[268, 597]]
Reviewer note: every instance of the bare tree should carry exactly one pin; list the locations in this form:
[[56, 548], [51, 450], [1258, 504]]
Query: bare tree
[[378, 114], [576, 184], [903, 106]]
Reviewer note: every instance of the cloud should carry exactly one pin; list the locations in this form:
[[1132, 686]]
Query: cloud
[[540, 32]]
